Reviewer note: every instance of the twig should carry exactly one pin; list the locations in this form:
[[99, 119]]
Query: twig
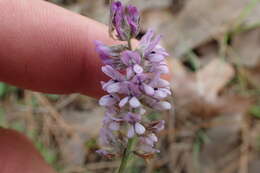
[[64, 102], [53, 112]]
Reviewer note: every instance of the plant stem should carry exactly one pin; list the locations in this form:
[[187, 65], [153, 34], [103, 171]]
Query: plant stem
[[129, 44], [126, 155]]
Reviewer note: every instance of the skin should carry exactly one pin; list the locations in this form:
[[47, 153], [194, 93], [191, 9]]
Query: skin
[[17, 154], [45, 48]]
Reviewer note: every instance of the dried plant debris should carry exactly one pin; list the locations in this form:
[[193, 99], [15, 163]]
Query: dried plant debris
[[151, 4], [197, 23], [246, 50]]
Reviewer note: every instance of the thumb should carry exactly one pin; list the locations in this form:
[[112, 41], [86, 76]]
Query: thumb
[[19, 155]]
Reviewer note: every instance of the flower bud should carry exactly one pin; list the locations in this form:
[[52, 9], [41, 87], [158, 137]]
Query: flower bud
[[131, 132], [107, 100], [163, 105], [139, 128], [125, 20], [134, 102], [148, 89], [138, 69]]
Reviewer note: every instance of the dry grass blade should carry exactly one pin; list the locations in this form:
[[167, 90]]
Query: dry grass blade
[[212, 78], [53, 112], [244, 156]]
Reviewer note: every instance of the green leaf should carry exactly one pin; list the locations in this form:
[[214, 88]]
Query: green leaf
[[91, 143], [255, 111], [53, 97], [2, 89], [19, 126], [154, 116], [49, 155]]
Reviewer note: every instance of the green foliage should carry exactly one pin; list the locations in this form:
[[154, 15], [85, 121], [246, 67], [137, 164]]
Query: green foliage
[[34, 102], [6, 89], [157, 171], [53, 97], [255, 111], [18, 126], [200, 139], [136, 166], [193, 61], [154, 116], [49, 155], [258, 143], [3, 89], [91, 144]]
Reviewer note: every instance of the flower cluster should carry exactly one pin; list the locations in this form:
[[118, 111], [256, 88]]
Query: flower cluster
[[125, 20], [135, 85]]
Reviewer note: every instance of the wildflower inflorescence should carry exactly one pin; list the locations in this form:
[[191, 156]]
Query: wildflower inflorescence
[[135, 85]]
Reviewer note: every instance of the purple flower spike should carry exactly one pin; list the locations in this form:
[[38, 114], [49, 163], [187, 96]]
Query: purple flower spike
[[135, 84]]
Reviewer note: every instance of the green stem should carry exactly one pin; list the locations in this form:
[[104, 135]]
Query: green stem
[[126, 155], [129, 44]]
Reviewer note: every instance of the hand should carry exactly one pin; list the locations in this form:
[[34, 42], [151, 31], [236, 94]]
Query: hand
[[46, 48], [49, 49]]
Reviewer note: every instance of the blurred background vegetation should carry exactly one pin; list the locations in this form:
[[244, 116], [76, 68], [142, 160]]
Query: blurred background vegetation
[[215, 125]]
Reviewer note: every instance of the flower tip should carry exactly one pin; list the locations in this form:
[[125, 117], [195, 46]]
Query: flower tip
[[139, 128], [163, 105], [113, 88], [123, 102], [131, 132], [138, 69], [106, 100], [134, 102]]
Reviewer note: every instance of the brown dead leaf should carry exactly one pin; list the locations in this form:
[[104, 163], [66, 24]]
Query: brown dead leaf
[[246, 47], [198, 92], [197, 23], [73, 151], [253, 16], [254, 166], [218, 151], [86, 123], [212, 78]]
